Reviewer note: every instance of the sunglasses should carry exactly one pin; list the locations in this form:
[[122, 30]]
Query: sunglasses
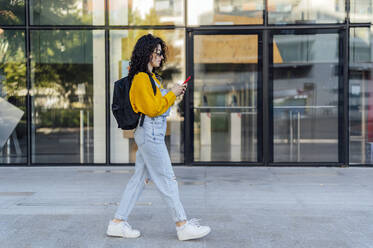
[[159, 53]]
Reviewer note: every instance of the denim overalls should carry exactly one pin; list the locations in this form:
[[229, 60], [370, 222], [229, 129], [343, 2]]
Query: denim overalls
[[152, 160]]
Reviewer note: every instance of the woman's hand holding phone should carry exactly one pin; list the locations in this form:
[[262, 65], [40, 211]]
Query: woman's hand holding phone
[[180, 87]]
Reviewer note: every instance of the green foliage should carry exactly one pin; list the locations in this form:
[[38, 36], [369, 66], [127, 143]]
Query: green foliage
[[62, 46], [57, 12], [12, 46], [12, 12], [15, 78], [13, 67], [59, 118], [45, 12]]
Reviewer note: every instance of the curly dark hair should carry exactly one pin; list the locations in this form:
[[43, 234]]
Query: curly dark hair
[[141, 53]]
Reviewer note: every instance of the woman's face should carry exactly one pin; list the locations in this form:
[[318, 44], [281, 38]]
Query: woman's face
[[157, 56]]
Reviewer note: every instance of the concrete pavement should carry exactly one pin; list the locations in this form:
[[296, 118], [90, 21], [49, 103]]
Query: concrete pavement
[[52, 207]]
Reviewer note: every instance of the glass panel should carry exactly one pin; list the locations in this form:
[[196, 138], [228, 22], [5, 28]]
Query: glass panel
[[13, 92], [361, 93], [305, 98], [308, 11], [225, 97], [12, 12], [68, 96], [225, 12], [148, 12], [71, 12], [123, 150], [361, 11]]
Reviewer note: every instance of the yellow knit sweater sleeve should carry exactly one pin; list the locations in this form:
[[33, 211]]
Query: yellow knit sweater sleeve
[[143, 99]]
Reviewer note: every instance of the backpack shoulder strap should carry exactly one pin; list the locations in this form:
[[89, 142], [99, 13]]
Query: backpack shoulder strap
[[153, 84], [142, 118]]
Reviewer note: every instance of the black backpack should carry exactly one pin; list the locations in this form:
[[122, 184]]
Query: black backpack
[[121, 107]]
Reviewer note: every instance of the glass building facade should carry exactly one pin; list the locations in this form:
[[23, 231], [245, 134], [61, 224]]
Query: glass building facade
[[274, 82]]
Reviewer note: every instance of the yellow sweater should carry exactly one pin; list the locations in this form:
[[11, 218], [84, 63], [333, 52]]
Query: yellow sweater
[[143, 99]]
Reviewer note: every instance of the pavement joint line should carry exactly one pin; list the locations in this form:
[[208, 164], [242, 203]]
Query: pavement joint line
[[41, 204], [106, 171], [16, 193]]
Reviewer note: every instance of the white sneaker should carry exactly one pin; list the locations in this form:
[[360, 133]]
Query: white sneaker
[[122, 229], [192, 230]]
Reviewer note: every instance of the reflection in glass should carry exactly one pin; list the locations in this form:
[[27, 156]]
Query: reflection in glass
[[305, 98], [149, 12], [360, 94], [361, 11], [123, 150], [225, 97], [12, 12], [68, 96], [13, 118], [307, 11], [222, 12], [72, 12]]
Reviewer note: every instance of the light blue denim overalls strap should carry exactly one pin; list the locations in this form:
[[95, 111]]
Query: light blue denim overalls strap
[[163, 92]]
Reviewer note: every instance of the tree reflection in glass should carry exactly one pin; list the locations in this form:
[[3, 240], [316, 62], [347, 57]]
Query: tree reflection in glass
[[63, 85], [12, 12], [139, 12], [67, 12], [13, 91]]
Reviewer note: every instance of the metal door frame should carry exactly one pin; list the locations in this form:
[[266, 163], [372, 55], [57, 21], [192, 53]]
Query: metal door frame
[[343, 143], [189, 104]]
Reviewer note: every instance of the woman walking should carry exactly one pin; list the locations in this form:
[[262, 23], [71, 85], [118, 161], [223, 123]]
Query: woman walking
[[152, 158]]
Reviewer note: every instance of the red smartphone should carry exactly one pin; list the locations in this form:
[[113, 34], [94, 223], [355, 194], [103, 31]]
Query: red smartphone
[[187, 79]]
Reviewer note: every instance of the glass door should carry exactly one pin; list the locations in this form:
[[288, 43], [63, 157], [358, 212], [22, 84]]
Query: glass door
[[225, 96], [305, 77]]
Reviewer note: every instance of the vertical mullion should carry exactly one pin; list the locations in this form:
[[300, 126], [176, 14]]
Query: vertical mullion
[[107, 95], [260, 130], [107, 84], [28, 82], [266, 147], [265, 13], [106, 13], [185, 13], [345, 92], [188, 103], [264, 155], [187, 157]]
